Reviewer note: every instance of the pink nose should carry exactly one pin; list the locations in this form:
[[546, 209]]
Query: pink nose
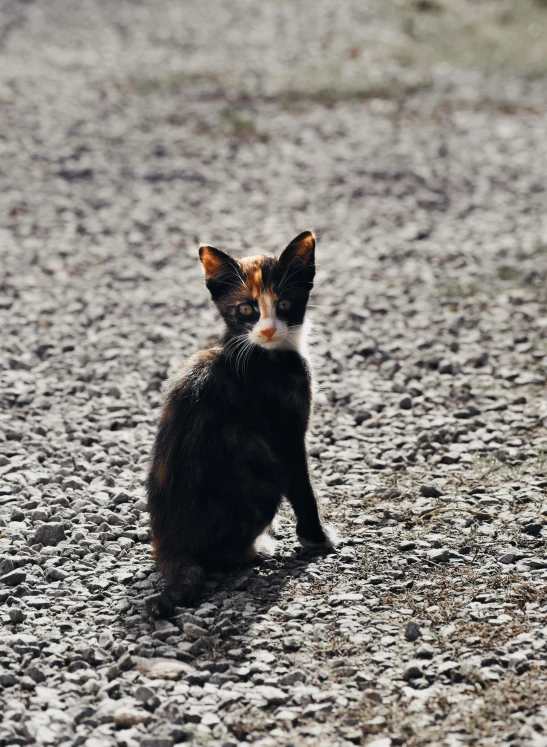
[[268, 333]]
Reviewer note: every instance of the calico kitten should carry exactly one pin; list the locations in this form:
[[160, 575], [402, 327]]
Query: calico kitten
[[231, 438]]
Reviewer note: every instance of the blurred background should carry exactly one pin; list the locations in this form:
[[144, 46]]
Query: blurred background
[[133, 107], [410, 134]]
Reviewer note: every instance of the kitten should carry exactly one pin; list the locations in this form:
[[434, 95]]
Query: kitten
[[231, 438]]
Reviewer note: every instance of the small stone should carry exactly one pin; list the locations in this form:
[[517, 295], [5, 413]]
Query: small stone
[[6, 565], [75, 483], [537, 563], [14, 578], [352, 733], [27, 683], [273, 695], [412, 631], [16, 615], [406, 546], [125, 662], [446, 367], [194, 631], [510, 557], [413, 671], [373, 695], [126, 717], [292, 678], [288, 716], [112, 672], [534, 529], [292, 643], [144, 693], [439, 556], [425, 651], [56, 574], [34, 673], [7, 679], [317, 450], [167, 669], [451, 458], [518, 662], [210, 719], [369, 520], [430, 491], [48, 535], [361, 416], [165, 629], [405, 403]]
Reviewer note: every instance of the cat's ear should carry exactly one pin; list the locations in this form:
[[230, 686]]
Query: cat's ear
[[299, 258], [221, 271], [214, 262]]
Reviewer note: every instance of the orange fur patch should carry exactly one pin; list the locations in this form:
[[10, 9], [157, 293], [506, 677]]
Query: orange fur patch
[[252, 275], [212, 262], [155, 549], [262, 302], [305, 247], [162, 471], [166, 414]]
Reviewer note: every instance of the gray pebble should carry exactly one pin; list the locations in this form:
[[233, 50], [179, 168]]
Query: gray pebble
[[48, 535], [412, 631]]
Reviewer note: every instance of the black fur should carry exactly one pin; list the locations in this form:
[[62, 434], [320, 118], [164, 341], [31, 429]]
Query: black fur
[[228, 446]]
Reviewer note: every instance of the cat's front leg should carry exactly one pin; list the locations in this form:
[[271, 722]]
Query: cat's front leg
[[328, 538], [310, 529]]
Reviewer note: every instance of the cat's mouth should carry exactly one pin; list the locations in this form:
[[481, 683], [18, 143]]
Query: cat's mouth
[[278, 336], [269, 343], [278, 342]]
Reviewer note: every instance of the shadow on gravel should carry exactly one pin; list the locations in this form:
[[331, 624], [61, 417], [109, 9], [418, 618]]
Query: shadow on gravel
[[220, 610]]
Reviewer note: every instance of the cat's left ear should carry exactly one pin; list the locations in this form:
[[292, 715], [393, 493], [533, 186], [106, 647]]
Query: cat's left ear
[[299, 258]]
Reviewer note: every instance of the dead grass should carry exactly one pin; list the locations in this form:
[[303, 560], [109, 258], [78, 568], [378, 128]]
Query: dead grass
[[456, 290], [502, 34], [296, 95], [493, 714], [508, 273], [169, 83], [240, 126]]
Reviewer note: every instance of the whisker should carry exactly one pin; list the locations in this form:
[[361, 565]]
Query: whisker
[[320, 339], [320, 324], [299, 269], [241, 355], [217, 321], [294, 284], [247, 358], [286, 271], [233, 344]]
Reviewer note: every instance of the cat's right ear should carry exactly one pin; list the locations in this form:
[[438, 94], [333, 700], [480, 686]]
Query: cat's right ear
[[221, 271]]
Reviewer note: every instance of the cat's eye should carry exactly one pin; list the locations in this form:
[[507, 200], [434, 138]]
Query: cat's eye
[[284, 304], [245, 309]]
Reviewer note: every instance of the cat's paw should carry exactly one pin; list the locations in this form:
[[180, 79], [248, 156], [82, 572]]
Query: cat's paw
[[261, 550], [265, 545], [325, 538]]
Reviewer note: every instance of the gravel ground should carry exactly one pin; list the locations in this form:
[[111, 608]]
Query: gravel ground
[[130, 132]]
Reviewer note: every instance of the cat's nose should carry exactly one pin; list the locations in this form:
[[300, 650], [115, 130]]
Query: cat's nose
[[268, 333]]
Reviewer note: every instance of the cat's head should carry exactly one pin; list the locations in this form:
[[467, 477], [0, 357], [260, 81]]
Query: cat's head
[[263, 299]]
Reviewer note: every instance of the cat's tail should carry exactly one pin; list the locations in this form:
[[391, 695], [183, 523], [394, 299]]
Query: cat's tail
[[184, 579]]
